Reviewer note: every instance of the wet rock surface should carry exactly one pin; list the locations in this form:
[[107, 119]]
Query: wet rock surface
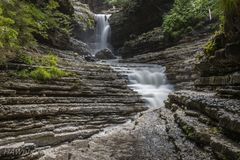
[[206, 104], [208, 120], [139, 17], [105, 54], [47, 114], [152, 135]]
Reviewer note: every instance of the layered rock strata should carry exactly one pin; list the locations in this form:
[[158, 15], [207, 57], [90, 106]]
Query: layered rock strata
[[179, 61], [39, 115], [206, 104]]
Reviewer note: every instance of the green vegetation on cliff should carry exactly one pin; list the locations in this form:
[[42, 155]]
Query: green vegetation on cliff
[[231, 17], [230, 27], [23, 22], [189, 15]]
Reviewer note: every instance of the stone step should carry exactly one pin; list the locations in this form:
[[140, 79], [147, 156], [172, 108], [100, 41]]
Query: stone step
[[49, 138], [38, 87], [226, 112], [69, 82], [48, 100], [35, 87], [95, 92], [226, 80], [8, 112], [229, 93], [7, 92], [223, 147], [186, 149], [61, 124]]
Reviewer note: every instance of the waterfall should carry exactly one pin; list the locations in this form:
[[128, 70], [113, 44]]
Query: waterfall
[[148, 80], [151, 83], [103, 32]]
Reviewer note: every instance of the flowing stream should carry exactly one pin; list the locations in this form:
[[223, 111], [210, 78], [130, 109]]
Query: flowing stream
[[148, 80]]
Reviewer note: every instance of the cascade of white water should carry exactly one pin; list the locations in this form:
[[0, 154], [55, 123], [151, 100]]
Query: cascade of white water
[[103, 32], [151, 83], [148, 80]]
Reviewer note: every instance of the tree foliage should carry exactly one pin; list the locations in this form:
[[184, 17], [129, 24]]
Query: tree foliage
[[21, 22], [187, 15]]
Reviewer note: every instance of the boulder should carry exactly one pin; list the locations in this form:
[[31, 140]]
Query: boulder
[[138, 17], [89, 58], [79, 47], [105, 54]]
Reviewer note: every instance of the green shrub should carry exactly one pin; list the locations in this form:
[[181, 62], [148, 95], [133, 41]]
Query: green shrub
[[57, 73], [22, 21], [187, 15], [27, 59], [49, 60], [43, 74], [210, 47], [216, 42]]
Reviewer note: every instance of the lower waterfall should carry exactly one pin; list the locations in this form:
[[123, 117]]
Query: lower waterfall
[[148, 80]]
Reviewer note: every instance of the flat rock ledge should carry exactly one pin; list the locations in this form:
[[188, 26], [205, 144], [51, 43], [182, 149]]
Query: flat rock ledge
[[208, 120], [36, 116]]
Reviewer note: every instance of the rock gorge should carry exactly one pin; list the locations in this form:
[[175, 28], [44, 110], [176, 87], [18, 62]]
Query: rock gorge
[[102, 110]]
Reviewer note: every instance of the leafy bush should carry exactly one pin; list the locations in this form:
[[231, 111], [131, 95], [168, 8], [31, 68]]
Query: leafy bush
[[186, 15], [40, 74], [210, 47], [21, 22], [47, 60], [227, 32], [27, 59], [43, 74], [57, 73]]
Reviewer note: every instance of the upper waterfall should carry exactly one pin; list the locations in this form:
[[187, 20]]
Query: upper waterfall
[[103, 32]]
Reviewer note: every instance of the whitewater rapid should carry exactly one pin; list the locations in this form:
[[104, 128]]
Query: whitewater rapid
[[148, 80]]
